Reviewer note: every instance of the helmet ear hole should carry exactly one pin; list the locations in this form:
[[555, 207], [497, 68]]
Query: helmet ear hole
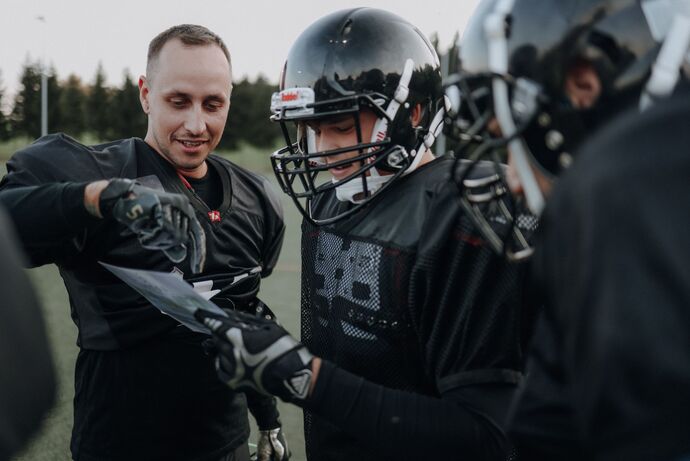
[[416, 115]]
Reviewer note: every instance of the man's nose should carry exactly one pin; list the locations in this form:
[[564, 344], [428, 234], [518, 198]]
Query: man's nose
[[324, 143], [195, 122]]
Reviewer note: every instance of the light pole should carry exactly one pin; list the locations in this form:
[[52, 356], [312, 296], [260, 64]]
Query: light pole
[[44, 81]]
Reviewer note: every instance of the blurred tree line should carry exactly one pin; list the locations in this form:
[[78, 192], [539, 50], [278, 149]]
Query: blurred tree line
[[98, 111]]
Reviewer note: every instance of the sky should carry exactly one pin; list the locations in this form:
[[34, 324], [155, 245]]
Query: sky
[[78, 34]]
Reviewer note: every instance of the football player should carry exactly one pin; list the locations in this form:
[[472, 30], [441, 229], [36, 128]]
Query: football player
[[413, 326], [144, 387], [541, 78]]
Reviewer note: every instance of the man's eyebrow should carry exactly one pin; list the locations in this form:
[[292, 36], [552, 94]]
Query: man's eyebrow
[[176, 94], [182, 94], [338, 118], [216, 97]]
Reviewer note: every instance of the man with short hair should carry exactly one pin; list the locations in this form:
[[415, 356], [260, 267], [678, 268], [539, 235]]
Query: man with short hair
[[144, 387]]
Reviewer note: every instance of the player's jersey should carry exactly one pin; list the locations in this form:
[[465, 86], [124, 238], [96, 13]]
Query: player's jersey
[[243, 236], [406, 295], [143, 382]]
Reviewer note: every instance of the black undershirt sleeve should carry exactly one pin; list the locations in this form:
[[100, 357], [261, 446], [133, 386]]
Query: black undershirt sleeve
[[48, 218], [404, 425]]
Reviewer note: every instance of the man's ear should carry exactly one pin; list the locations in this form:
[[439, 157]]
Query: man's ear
[[582, 84], [144, 94], [416, 115]]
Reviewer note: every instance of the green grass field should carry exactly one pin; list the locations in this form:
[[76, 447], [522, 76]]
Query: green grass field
[[280, 292]]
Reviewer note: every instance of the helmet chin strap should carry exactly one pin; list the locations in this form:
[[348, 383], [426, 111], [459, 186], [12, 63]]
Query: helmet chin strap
[[495, 29]]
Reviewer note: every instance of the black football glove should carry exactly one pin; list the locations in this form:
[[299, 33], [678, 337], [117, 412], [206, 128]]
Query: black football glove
[[161, 220], [257, 353], [272, 446]]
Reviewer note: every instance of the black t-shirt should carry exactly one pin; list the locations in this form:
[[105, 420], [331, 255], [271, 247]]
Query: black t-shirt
[[613, 263], [209, 188], [144, 387], [406, 295]]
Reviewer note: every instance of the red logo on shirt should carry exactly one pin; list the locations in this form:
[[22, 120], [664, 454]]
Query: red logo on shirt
[[214, 216]]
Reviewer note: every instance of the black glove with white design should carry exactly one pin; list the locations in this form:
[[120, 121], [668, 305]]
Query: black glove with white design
[[161, 221], [272, 446], [257, 353]]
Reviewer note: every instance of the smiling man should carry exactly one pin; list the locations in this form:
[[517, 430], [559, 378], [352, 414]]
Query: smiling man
[[144, 387]]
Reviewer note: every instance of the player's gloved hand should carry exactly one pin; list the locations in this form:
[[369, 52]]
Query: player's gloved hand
[[272, 446], [257, 353], [161, 221]]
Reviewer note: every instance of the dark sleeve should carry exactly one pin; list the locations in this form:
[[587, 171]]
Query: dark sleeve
[[472, 318], [264, 409], [274, 229], [27, 381], [541, 422], [49, 214], [403, 425]]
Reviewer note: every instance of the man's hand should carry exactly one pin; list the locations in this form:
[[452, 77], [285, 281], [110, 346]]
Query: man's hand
[[161, 221], [256, 353], [272, 446]]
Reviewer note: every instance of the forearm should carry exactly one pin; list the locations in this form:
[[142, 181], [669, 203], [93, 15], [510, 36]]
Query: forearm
[[47, 215], [264, 410], [402, 424]]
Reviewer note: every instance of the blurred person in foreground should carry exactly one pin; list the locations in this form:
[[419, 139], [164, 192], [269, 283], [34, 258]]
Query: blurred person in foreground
[[561, 85], [144, 387], [413, 328], [27, 381]]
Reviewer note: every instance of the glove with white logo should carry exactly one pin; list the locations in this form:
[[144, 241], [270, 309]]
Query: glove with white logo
[[257, 353], [272, 446], [161, 221]]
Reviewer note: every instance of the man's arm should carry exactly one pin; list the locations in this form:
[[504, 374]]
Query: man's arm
[[52, 219], [401, 424], [405, 425]]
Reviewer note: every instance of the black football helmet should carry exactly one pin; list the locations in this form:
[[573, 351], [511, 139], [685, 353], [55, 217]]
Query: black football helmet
[[515, 55], [346, 62]]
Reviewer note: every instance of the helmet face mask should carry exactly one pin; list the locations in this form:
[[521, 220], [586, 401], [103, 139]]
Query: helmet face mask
[[535, 50], [534, 58], [337, 69]]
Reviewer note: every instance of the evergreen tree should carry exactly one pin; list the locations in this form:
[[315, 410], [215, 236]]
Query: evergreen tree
[[54, 109], [248, 120], [4, 120], [25, 118], [128, 119], [97, 106], [71, 103]]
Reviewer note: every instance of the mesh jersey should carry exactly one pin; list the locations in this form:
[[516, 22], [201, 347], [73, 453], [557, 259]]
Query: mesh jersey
[[406, 295], [125, 405]]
